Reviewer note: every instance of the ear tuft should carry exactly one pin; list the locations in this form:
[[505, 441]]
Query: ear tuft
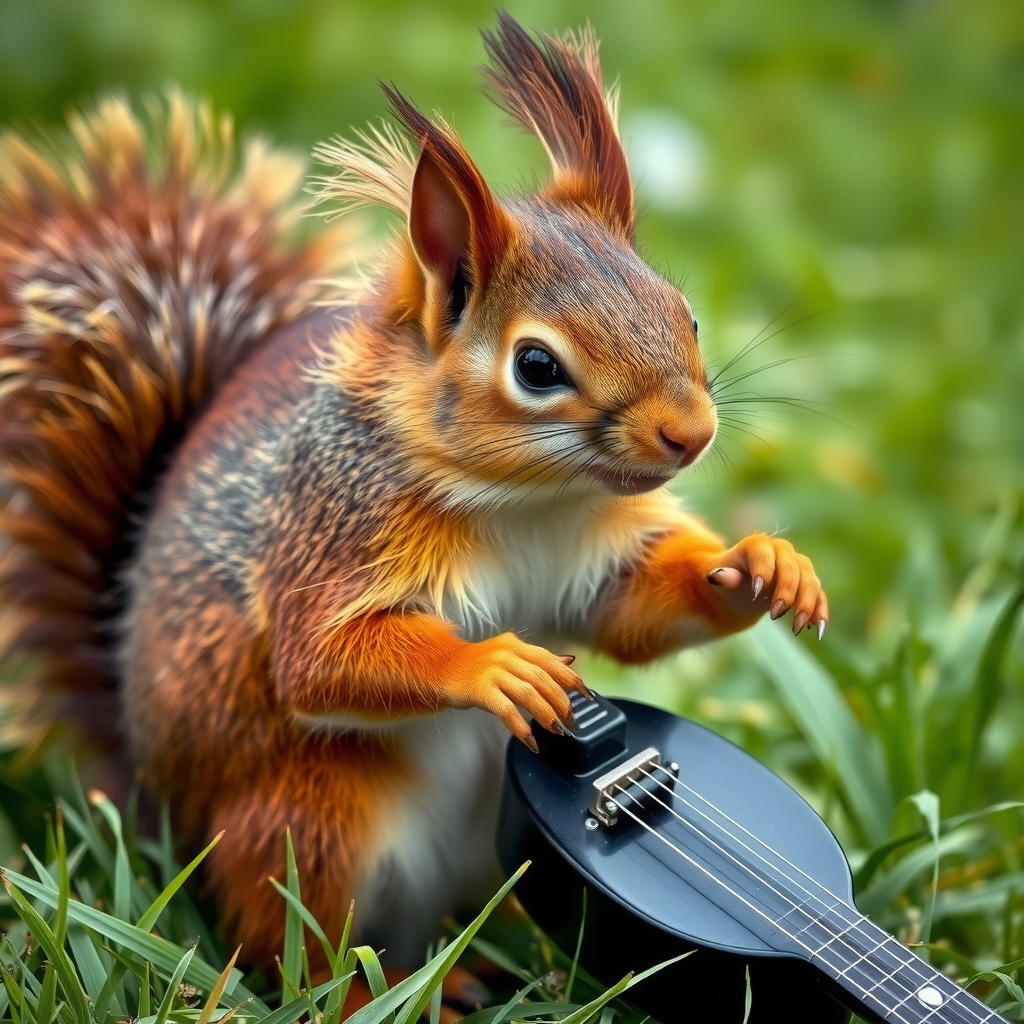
[[457, 228], [553, 88]]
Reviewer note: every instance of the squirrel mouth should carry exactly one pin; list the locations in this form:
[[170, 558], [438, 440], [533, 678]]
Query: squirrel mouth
[[622, 483]]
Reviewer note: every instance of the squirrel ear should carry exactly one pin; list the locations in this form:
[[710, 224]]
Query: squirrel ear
[[553, 88], [439, 230], [457, 228]]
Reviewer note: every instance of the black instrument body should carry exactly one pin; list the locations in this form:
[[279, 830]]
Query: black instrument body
[[727, 860]]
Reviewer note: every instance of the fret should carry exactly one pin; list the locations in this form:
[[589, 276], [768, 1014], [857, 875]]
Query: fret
[[879, 971], [903, 987]]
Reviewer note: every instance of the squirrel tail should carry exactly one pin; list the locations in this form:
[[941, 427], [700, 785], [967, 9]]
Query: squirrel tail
[[137, 268]]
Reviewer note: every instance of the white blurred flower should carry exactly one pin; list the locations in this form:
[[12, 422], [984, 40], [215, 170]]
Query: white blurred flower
[[668, 158]]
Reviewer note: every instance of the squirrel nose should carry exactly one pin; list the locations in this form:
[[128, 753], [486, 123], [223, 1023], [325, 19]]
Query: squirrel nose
[[681, 446], [676, 447]]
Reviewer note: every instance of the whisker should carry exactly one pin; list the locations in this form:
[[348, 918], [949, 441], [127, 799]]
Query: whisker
[[731, 381], [545, 461], [754, 342], [510, 442]]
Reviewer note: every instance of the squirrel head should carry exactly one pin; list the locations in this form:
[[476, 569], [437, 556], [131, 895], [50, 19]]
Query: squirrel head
[[540, 352]]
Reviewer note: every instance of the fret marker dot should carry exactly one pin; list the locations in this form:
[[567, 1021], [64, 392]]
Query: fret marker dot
[[930, 996]]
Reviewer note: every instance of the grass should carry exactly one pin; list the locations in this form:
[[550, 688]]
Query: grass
[[907, 760], [90, 939], [862, 190]]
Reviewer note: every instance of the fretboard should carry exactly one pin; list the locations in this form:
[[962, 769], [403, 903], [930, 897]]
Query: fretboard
[[878, 970]]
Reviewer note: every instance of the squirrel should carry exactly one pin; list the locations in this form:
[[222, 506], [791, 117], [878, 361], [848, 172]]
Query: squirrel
[[319, 542]]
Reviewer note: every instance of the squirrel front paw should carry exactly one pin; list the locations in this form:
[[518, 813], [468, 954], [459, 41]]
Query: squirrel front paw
[[504, 673], [771, 573]]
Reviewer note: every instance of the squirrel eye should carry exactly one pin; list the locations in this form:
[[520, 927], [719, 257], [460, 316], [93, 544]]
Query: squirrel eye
[[538, 370], [695, 326]]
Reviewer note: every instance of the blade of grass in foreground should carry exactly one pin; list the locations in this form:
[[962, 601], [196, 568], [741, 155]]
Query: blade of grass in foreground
[[161, 953], [164, 1009], [291, 958], [416, 990], [816, 703], [584, 1013], [60, 962]]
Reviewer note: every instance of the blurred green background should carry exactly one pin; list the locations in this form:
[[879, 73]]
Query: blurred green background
[[857, 164], [838, 186]]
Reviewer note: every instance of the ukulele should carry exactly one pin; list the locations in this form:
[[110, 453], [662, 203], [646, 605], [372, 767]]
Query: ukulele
[[683, 842]]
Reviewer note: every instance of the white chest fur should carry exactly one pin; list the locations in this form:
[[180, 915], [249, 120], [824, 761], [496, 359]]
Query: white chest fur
[[537, 572], [436, 852]]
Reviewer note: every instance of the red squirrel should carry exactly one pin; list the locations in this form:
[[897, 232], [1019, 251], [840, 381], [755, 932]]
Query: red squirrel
[[326, 547]]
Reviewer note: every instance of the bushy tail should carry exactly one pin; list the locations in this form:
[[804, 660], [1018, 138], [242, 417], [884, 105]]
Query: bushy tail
[[136, 269]]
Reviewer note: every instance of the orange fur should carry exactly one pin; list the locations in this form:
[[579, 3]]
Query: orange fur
[[647, 613], [369, 510]]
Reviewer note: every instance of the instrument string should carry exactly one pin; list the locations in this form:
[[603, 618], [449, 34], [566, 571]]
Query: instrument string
[[915, 964], [865, 993], [841, 907], [895, 977]]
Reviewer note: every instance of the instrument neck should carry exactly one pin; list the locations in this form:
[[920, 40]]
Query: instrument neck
[[884, 975]]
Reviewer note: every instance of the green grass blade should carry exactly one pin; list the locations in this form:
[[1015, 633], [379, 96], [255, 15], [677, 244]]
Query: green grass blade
[[48, 996], [60, 926], [878, 856], [944, 955], [145, 991], [293, 1010], [374, 974], [87, 959], [57, 955], [576, 956], [343, 963], [1011, 968], [185, 923], [293, 938], [14, 996], [817, 705], [927, 804], [346, 932], [748, 995], [38, 866], [311, 922], [416, 990], [585, 1012], [59, 961], [81, 821], [986, 690], [109, 994], [525, 1011], [506, 1011], [123, 878], [1013, 989], [133, 964], [164, 1009], [893, 882], [500, 958], [162, 954], [435, 999], [152, 913]]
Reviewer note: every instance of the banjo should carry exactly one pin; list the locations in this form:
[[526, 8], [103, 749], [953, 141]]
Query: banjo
[[684, 842]]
